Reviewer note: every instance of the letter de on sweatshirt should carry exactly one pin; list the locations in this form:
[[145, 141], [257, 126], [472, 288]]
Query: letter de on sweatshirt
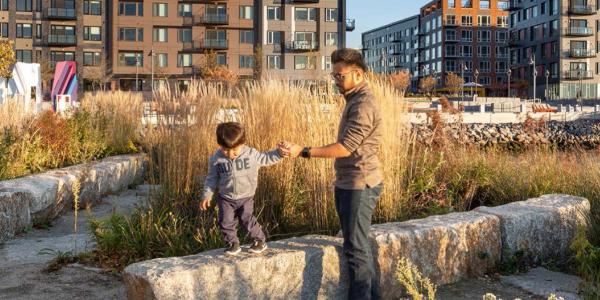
[[236, 178]]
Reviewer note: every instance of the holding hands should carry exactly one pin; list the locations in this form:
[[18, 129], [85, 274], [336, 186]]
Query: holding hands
[[288, 149]]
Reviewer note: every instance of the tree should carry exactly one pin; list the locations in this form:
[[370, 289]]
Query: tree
[[47, 70], [454, 83], [258, 63], [211, 70], [96, 75], [400, 81], [7, 61], [426, 85]]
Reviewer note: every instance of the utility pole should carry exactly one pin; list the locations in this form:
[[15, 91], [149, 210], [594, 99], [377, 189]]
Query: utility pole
[[509, 72], [532, 62]]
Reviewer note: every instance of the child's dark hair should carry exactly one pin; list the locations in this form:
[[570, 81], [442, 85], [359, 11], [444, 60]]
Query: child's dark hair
[[230, 135]]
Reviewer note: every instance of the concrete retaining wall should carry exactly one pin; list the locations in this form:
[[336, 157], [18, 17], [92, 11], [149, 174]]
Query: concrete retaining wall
[[42, 197], [445, 248]]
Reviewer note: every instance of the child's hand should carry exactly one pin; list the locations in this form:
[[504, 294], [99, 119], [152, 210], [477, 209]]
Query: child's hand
[[284, 148], [205, 204]]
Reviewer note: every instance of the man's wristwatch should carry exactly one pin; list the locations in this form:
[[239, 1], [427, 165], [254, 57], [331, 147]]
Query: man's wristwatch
[[305, 152]]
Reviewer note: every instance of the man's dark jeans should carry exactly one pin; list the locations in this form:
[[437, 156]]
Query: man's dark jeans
[[355, 208]]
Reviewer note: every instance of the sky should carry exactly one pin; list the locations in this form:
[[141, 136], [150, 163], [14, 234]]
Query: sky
[[370, 14]]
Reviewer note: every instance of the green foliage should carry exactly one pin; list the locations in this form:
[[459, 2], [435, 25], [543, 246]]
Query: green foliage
[[587, 257]]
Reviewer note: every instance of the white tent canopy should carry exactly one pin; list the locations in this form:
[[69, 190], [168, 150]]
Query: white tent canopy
[[472, 84]]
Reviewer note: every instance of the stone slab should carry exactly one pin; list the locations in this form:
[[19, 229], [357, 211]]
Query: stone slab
[[542, 282], [543, 227], [299, 268], [14, 213], [444, 248]]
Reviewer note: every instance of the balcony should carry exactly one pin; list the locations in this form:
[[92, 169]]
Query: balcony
[[582, 53], [350, 24], [301, 46], [304, 1], [578, 74], [61, 40], [452, 39], [56, 13], [192, 70], [206, 44], [453, 54], [450, 23], [514, 42], [579, 31], [584, 10], [215, 19]]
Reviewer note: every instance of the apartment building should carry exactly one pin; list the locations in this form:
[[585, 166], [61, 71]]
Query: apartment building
[[293, 39], [466, 37], [393, 47], [559, 38], [47, 31]]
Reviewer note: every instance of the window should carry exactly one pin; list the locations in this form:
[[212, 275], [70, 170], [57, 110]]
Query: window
[[24, 56], [466, 3], [246, 61], [184, 35], [466, 35], [467, 51], [160, 35], [131, 34], [221, 59], [24, 31], [160, 10], [467, 20], [185, 10], [303, 62], [484, 4], [274, 13], [305, 14], [331, 39], [274, 37], [483, 51], [216, 35], [451, 4], [501, 66], [331, 15], [4, 5], [246, 36], [484, 35], [161, 60], [92, 7], [4, 30], [274, 62], [503, 5], [554, 7], [23, 5], [131, 8], [502, 22], [92, 33], [483, 21], [246, 12], [38, 31], [184, 60], [327, 63], [91, 58], [129, 59]]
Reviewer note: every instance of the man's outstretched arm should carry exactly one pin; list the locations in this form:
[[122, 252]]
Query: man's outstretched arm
[[330, 151]]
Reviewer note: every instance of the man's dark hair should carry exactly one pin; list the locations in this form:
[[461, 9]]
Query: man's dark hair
[[230, 135], [349, 57]]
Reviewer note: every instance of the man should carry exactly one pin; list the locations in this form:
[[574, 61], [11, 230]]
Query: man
[[358, 175]]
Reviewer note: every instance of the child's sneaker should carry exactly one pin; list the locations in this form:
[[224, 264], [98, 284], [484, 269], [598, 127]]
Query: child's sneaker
[[234, 248], [258, 247]]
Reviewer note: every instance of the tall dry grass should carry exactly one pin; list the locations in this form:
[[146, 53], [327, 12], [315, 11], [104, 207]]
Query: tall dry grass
[[13, 113]]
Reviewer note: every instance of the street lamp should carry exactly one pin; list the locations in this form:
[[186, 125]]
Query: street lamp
[[462, 88], [476, 74], [547, 76], [509, 72], [137, 64], [532, 62], [580, 75]]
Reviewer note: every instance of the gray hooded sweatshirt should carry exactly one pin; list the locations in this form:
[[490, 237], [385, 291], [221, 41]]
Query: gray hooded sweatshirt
[[236, 178]]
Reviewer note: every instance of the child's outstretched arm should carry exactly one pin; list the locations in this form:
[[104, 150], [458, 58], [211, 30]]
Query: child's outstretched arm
[[210, 185], [268, 158]]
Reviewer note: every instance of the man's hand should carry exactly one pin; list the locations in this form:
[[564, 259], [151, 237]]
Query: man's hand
[[205, 204], [288, 149]]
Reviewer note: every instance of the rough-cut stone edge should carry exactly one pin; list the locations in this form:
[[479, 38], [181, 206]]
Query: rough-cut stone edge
[[11, 210], [578, 208], [389, 242], [49, 193], [140, 286]]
